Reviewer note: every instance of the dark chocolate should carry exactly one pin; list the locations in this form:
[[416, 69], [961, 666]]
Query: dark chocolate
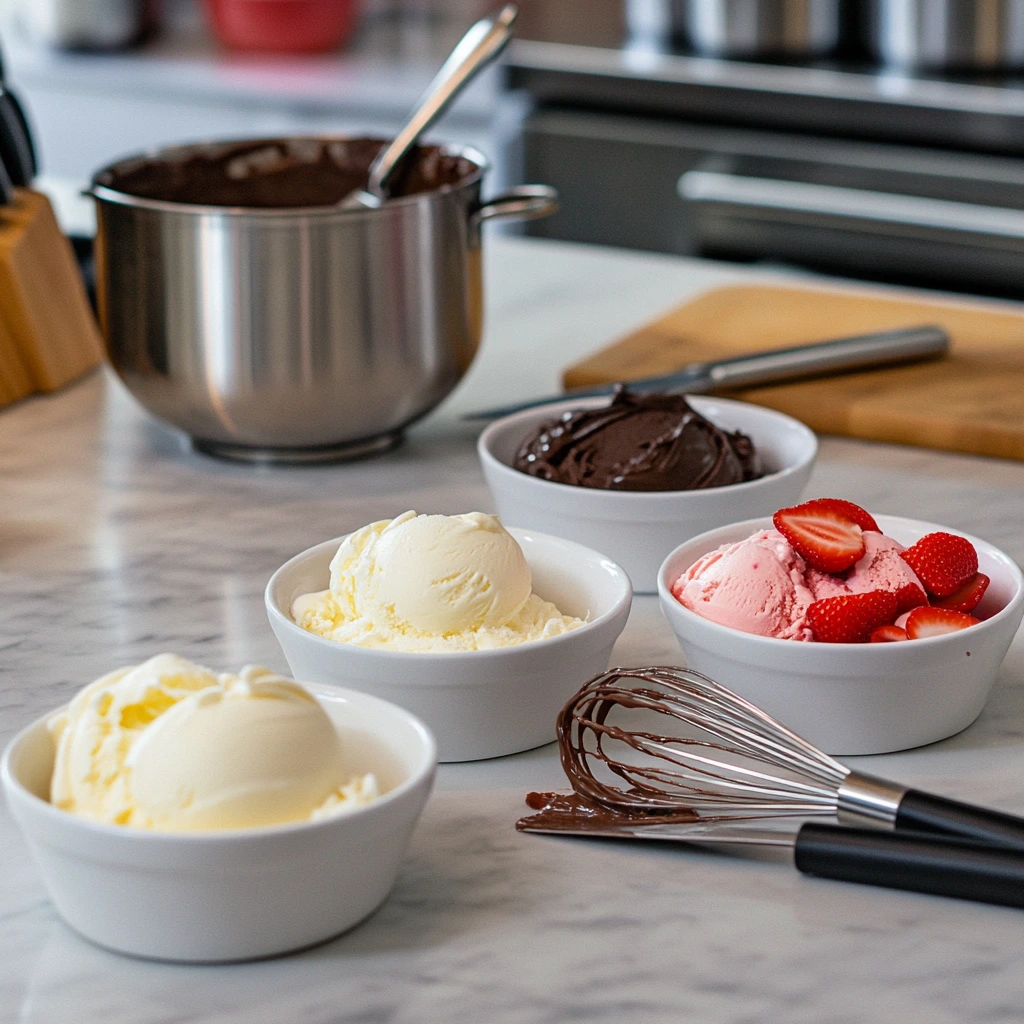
[[583, 733], [638, 442]]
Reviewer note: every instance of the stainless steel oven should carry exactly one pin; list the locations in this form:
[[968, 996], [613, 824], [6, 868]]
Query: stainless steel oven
[[835, 166]]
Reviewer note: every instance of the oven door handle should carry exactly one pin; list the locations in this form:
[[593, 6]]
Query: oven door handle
[[774, 201]]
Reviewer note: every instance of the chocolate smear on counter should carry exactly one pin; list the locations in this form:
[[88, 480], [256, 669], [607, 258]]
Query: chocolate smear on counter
[[276, 173], [570, 812], [638, 442]]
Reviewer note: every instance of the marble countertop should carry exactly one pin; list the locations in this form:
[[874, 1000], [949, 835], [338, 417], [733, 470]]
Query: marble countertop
[[117, 541]]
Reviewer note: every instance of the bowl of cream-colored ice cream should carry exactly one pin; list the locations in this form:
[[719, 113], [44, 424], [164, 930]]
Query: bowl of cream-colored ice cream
[[480, 631], [183, 814], [635, 475], [745, 607]]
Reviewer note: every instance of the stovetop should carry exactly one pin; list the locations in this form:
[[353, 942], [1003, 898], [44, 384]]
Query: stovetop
[[615, 55]]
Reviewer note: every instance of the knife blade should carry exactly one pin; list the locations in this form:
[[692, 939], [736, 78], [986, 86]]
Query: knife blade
[[774, 366], [913, 861]]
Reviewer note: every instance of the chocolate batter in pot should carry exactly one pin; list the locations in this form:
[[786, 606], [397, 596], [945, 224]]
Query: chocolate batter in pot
[[638, 442], [276, 173]]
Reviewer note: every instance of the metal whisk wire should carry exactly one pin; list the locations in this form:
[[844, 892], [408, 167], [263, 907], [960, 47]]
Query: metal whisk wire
[[773, 772]]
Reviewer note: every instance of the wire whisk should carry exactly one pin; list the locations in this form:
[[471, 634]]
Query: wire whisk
[[715, 767], [724, 759]]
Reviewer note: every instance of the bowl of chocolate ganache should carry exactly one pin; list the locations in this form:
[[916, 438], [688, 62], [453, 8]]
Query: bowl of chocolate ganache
[[241, 305], [635, 475]]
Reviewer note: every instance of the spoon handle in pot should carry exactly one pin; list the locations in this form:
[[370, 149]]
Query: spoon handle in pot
[[478, 47]]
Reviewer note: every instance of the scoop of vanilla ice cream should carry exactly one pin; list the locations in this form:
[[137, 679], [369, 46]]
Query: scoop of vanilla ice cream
[[431, 583], [434, 574], [170, 745]]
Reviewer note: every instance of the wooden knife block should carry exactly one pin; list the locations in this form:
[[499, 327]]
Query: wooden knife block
[[48, 335]]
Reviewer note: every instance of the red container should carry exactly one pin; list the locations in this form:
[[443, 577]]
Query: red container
[[282, 26]]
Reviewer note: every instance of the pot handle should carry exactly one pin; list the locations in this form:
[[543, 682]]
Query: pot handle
[[525, 202]]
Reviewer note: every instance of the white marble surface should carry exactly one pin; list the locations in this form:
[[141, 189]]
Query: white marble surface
[[117, 542]]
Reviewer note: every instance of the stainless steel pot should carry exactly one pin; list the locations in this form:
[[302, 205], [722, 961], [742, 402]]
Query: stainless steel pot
[[297, 335], [759, 28], [948, 34], [86, 24]]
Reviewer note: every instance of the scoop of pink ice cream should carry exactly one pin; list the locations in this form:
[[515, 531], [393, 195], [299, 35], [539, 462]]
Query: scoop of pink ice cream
[[761, 585], [757, 585], [880, 567]]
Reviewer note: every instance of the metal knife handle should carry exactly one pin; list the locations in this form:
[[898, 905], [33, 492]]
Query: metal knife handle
[[773, 367], [918, 863], [858, 352]]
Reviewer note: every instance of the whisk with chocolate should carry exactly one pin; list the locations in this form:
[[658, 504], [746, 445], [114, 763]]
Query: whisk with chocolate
[[668, 754], [664, 742], [706, 764]]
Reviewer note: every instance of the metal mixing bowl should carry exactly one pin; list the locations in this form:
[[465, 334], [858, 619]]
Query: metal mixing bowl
[[296, 335]]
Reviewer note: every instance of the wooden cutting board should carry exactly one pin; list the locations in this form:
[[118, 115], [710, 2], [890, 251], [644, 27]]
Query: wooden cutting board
[[972, 401]]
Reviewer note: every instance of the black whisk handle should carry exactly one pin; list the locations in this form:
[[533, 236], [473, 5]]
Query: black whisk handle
[[919, 863], [923, 812]]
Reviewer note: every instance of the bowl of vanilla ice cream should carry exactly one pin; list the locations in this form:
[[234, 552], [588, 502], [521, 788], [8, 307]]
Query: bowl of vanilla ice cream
[[482, 632], [182, 814]]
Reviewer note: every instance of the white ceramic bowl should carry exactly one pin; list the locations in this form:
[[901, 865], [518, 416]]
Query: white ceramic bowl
[[639, 528], [477, 703], [238, 894], [856, 698]]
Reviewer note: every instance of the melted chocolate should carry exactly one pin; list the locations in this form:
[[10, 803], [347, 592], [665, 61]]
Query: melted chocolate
[[271, 173], [570, 812], [638, 442], [648, 798]]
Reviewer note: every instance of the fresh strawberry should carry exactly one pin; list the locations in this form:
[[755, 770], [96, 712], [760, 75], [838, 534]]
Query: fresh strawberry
[[943, 562], [910, 595], [888, 634], [968, 597], [827, 537], [926, 622], [852, 512], [850, 618]]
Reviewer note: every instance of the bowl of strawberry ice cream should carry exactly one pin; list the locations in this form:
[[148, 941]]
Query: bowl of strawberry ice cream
[[840, 632], [761, 585]]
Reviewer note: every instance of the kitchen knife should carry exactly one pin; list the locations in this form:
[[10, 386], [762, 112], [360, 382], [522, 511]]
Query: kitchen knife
[[17, 150], [774, 366], [16, 143], [893, 860], [6, 185]]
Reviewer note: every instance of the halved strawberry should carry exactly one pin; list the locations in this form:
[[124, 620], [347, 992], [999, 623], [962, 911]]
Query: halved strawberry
[[824, 535], [910, 595], [968, 597], [851, 618], [926, 622], [854, 513], [943, 562], [888, 634]]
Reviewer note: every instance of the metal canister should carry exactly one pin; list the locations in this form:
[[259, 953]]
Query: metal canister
[[941, 35], [87, 24], [759, 28]]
